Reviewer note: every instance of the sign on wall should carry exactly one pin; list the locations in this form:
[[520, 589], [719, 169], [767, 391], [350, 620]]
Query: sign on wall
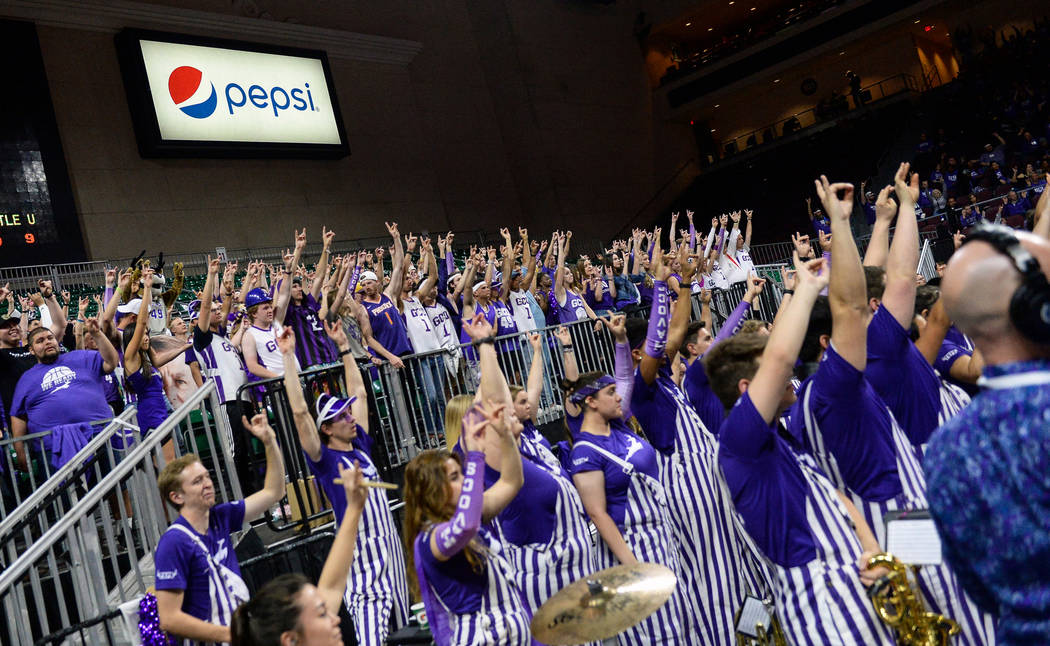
[[196, 97]]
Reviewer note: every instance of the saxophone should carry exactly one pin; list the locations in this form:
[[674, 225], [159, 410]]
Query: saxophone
[[899, 605]]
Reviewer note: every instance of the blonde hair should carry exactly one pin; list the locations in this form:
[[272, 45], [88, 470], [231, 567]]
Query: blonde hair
[[170, 479], [455, 409]]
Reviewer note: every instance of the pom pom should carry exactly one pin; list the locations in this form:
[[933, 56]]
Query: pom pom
[[149, 623]]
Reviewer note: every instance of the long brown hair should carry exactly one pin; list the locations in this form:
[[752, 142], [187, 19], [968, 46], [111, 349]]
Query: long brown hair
[[426, 504]]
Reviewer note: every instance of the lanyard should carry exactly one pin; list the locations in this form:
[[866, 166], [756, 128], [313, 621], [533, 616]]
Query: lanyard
[[1020, 380]]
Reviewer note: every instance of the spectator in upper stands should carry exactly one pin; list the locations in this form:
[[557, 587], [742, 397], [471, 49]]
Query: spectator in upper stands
[[821, 224], [867, 201], [1015, 208], [198, 578], [62, 393], [937, 201], [993, 153]]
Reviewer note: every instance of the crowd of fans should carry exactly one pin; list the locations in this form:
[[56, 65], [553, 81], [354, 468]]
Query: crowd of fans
[[759, 461]]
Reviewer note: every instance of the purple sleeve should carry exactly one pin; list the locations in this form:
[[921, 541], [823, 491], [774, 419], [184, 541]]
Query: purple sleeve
[[353, 280], [652, 245], [170, 563], [948, 354], [453, 535], [659, 321], [744, 434], [585, 459], [732, 324], [624, 376], [450, 263], [107, 295], [692, 235]]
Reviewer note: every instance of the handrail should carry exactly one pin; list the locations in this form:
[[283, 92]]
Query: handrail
[[13, 572], [15, 516]]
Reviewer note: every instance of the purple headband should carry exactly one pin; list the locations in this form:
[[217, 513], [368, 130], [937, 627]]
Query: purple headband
[[586, 391]]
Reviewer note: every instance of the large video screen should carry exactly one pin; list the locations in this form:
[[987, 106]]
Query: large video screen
[[201, 97], [38, 219]]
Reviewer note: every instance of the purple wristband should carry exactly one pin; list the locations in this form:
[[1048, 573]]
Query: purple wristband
[[659, 321], [453, 535], [623, 372]]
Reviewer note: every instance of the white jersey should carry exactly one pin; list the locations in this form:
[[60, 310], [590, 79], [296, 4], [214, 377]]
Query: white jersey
[[420, 327], [266, 347], [222, 363], [716, 279], [519, 305], [157, 316], [443, 328]]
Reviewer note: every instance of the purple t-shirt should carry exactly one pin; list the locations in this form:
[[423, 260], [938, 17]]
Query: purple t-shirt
[[607, 301], [529, 517], [181, 565], [656, 410], [387, 326], [768, 488], [69, 391], [627, 446], [572, 310], [703, 399], [312, 345], [326, 469], [902, 377], [855, 425], [947, 355], [459, 586]]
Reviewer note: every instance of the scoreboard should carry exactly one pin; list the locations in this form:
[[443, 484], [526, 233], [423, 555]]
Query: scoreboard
[[38, 220]]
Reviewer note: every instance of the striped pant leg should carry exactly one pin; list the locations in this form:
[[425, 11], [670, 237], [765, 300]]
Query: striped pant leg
[[944, 595]]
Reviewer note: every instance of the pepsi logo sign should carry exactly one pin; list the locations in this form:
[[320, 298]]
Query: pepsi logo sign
[[195, 99], [204, 93]]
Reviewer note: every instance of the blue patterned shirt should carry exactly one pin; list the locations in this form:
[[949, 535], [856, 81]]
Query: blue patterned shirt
[[988, 471]]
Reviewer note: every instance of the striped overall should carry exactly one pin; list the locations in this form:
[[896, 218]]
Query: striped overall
[[823, 603], [376, 586], [533, 448], [646, 530], [718, 570], [942, 591], [502, 620], [226, 589], [542, 569]]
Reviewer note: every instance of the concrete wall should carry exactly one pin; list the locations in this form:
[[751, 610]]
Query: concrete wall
[[513, 112]]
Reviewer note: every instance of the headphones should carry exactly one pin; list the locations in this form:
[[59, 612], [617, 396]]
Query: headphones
[[1030, 304]]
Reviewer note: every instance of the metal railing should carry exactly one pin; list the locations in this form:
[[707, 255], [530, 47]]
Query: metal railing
[[93, 272], [40, 494], [776, 253], [98, 555], [407, 405]]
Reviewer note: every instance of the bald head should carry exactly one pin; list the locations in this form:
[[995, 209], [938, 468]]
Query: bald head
[[977, 287]]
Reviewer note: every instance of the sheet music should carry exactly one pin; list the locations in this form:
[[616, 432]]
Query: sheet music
[[753, 613], [914, 541]]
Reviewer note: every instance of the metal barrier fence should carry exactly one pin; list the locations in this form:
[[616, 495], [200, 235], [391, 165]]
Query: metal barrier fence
[[40, 494], [407, 405], [98, 555]]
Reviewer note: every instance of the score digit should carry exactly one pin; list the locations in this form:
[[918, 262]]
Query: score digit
[[30, 238]]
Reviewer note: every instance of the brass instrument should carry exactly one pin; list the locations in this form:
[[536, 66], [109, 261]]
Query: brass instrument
[[771, 635], [899, 605]]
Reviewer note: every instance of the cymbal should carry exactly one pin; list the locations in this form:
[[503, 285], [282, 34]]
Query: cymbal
[[603, 604]]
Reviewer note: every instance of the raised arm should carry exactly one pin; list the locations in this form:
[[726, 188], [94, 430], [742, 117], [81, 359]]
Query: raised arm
[[331, 585], [899, 295], [559, 272], [509, 256], [284, 291], [58, 313], [397, 270], [321, 270], [493, 387], [305, 427], [110, 358], [273, 483], [432, 268], [879, 245], [847, 294], [684, 306], [532, 250], [204, 317], [131, 353], [747, 233], [778, 359], [534, 385], [659, 318]]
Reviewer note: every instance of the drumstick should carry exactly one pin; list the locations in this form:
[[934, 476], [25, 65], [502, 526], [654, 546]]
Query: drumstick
[[370, 483]]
